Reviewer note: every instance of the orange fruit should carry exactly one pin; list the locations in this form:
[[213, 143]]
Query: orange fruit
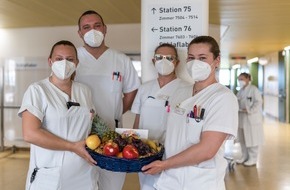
[[93, 142], [120, 155]]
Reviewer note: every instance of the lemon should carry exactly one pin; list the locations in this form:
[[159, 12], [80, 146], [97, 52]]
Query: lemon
[[93, 141]]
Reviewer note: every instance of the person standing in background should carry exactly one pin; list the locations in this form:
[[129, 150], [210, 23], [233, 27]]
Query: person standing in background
[[155, 99], [198, 127], [57, 115], [250, 132], [112, 78]]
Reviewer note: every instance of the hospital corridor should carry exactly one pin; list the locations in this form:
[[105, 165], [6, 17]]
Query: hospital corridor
[[271, 173]]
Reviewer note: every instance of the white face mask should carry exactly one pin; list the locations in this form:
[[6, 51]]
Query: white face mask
[[63, 69], [164, 67], [242, 83], [198, 70], [94, 38]]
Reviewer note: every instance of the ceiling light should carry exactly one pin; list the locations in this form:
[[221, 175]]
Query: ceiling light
[[236, 66], [253, 60], [287, 48], [263, 61]]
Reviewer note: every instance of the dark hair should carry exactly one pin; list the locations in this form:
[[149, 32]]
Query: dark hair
[[246, 75], [207, 40], [63, 42], [90, 12], [167, 45]]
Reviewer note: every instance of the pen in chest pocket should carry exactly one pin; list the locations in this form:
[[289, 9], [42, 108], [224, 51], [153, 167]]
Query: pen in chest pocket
[[202, 113], [195, 111], [117, 75], [167, 106]]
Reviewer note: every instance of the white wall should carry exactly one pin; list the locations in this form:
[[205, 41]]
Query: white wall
[[271, 90]]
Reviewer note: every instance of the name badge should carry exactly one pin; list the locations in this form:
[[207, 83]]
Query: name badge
[[163, 97], [179, 110]]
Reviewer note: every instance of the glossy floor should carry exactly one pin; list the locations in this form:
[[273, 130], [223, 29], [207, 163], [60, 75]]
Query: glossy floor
[[271, 173]]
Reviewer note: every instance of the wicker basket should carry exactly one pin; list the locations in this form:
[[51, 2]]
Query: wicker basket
[[121, 164]]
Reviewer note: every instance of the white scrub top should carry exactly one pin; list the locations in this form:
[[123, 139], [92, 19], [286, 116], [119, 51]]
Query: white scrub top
[[109, 76], [220, 114], [251, 121], [154, 104], [60, 169]]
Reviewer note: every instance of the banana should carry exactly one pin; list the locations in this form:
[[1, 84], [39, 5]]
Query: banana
[[152, 144]]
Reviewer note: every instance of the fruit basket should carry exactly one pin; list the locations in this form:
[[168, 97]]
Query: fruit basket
[[122, 151], [122, 164]]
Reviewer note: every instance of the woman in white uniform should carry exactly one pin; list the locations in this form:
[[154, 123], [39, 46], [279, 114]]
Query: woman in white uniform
[[155, 98], [250, 133], [198, 127], [56, 119]]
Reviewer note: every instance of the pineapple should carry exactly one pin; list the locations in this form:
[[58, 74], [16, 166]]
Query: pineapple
[[110, 135], [99, 127]]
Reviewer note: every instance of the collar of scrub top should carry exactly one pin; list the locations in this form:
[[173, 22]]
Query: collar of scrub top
[[70, 104]]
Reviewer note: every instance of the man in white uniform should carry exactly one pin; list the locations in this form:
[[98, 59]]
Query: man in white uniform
[[56, 119], [250, 133], [155, 99], [112, 79], [198, 127]]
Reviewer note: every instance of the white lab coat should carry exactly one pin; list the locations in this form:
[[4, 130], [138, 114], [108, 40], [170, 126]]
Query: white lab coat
[[154, 104], [221, 114], [251, 122], [109, 76], [60, 170]]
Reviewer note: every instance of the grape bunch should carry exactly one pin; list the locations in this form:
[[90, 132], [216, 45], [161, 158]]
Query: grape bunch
[[142, 147], [121, 142]]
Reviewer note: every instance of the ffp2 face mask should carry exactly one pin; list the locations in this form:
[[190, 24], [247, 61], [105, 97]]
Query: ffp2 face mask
[[164, 67], [242, 83], [94, 38], [198, 70], [63, 69]]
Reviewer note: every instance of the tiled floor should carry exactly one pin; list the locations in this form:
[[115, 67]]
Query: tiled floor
[[271, 173]]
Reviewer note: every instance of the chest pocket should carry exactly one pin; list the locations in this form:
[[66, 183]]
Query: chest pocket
[[72, 124], [79, 119], [154, 117], [193, 130]]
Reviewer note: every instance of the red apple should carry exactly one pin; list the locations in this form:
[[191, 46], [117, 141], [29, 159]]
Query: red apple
[[130, 152], [111, 149]]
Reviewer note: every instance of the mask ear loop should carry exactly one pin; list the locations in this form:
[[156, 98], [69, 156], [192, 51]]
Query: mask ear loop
[[51, 73]]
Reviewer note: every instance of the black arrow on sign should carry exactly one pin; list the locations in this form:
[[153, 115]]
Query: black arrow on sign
[[153, 29], [153, 10]]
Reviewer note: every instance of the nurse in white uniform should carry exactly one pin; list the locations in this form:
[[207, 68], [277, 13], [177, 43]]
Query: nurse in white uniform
[[250, 133], [155, 99], [198, 127], [56, 119], [111, 77]]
